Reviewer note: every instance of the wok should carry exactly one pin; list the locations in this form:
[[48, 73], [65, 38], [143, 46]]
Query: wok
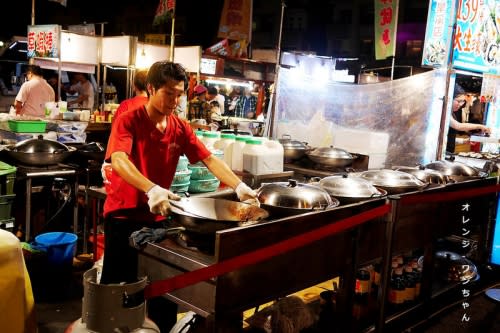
[[91, 151], [39, 152], [456, 170], [208, 215]]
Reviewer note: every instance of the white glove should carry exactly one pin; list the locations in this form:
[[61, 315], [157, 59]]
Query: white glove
[[158, 200], [246, 194], [104, 166]]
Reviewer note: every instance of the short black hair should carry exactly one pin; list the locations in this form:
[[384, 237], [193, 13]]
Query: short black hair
[[34, 69], [140, 80], [163, 71], [211, 90], [458, 90]]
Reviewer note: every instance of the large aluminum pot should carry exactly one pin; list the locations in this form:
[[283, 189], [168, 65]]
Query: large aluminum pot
[[330, 156], [456, 170], [39, 152], [207, 215], [291, 198], [350, 189], [429, 176], [394, 182], [293, 149]]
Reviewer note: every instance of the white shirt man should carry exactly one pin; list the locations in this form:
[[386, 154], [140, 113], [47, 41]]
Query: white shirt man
[[33, 94]]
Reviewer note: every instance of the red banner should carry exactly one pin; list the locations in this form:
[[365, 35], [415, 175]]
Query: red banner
[[164, 11]]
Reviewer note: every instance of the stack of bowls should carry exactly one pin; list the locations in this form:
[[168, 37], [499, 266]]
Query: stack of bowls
[[202, 180], [182, 176]]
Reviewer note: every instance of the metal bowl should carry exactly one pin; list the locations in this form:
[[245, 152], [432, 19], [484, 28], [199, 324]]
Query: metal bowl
[[290, 198], [330, 156]]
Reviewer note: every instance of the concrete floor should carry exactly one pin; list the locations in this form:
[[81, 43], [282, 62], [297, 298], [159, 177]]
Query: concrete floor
[[58, 303]]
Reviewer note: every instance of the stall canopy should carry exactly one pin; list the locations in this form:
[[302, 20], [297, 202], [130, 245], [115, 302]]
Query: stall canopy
[[78, 53], [188, 56]]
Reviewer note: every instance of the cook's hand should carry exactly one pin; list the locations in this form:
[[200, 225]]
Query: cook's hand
[[158, 200], [246, 194]]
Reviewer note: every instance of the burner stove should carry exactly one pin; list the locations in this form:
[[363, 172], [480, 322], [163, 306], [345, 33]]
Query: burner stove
[[198, 242]]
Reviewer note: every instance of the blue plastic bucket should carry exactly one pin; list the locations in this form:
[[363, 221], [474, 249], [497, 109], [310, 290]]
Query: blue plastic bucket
[[60, 246]]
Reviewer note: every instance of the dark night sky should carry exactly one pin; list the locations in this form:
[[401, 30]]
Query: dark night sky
[[202, 17]]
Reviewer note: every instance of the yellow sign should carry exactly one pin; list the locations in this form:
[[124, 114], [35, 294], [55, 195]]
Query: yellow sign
[[236, 20]]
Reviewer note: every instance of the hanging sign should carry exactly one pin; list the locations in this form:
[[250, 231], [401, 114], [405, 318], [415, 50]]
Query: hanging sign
[[476, 44], [236, 20], [386, 20], [43, 41], [440, 19]]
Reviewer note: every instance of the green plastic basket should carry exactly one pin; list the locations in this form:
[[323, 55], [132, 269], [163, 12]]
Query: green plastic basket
[[27, 126]]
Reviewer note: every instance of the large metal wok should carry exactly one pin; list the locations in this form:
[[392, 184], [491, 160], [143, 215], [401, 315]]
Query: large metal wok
[[208, 215], [39, 152], [456, 170], [90, 151]]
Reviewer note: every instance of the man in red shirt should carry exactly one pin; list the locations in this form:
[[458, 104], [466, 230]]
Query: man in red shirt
[[140, 92], [144, 148]]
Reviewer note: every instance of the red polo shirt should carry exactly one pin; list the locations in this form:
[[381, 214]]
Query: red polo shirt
[[154, 154]]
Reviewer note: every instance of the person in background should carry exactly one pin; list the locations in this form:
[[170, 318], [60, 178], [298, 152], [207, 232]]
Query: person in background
[[144, 148], [246, 105], [33, 94], [198, 106], [227, 102], [213, 95], [233, 99], [140, 95], [456, 124], [182, 107], [53, 80], [85, 91]]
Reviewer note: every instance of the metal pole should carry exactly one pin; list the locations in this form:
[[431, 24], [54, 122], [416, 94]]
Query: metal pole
[[449, 70], [392, 67], [31, 61], [32, 12], [99, 71], [172, 37], [276, 75]]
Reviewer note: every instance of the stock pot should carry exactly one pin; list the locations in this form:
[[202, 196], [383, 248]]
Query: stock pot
[[293, 149], [331, 156]]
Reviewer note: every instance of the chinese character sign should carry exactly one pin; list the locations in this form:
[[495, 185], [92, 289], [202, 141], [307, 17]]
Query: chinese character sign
[[386, 18], [163, 11], [43, 41], [440, 19], [476, 45], [236, 20]]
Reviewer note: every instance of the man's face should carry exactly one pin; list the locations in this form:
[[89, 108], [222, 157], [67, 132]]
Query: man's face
[[167, 97]]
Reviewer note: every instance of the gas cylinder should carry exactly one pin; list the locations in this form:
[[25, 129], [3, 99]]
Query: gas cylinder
[[109, 308]]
